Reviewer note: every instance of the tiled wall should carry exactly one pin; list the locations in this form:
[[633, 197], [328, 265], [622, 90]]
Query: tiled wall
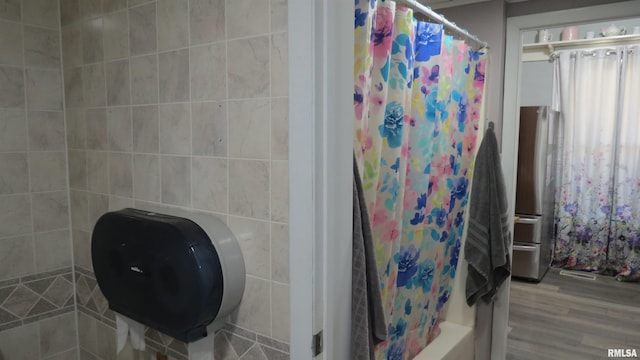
[[182, 103], [36, 286]]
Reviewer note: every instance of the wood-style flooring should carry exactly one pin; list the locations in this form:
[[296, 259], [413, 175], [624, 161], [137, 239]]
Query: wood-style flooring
[[565, 318]]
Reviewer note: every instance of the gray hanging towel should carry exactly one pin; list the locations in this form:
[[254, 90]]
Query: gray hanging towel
[[368, 326], [488, 238]]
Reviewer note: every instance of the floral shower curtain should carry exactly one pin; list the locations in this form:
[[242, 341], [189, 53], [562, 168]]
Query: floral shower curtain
[[598, 195], [418, 95]]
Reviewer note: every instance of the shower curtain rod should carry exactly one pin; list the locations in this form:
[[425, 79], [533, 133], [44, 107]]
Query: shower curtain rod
[[452, 27]]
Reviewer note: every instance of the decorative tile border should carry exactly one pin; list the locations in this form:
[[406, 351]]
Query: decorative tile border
[[35, 297], [232, 341]]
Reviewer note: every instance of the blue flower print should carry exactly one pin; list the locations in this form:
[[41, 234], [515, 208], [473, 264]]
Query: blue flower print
[[396, 351], [406, 259], [397, 332], [392, 127], [455, 255], [583, 234], [421, 202], [605, 209], [440, 216], [424, 276], [571, 208], [407, 307], [428, 40], [418, 218], [459, 218], [459, 190], [442, 300], [360, 18], [624, 212]]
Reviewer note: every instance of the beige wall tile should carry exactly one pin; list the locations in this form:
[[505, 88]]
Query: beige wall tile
[[77, 170], [98, 171], [118, 83], [113, 5], [94, 85], [146, 170], [206, 19], [16, 257], [208, 78], [247, 18], [116, 35], [91, 8], [280, 191], [255, 309], [98, 205], [11, 87], [144, 79], [280, 252], [69, 11], [14, 173], [120, 174], [253, 237], [96, 127], [52, 250], [92, 34], [10, 43], [280, 306], [80, 207], [119, 129], [57, 334], [46, 130], [72, 45], [41, 12], [279, 65], [50, 211], [173, 24], [248, 59], [174, 76], [209, 128], [142, 31], [48, 171], [73, 90], [13, 130], [280, 129], [249, 190], [145, 129], [43, 89], [87, 332], [248, 125], [175, 129], [175, 172], [209, 184], [10, 10], [41, 47], [12, 342], [279, 15]]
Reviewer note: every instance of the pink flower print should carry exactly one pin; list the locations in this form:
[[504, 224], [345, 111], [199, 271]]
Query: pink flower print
[[382, 35], [379, 217], [443, 166], [469, 142], [377, 102], [571, 262], [410, 197], [391, 232], [446, 202]]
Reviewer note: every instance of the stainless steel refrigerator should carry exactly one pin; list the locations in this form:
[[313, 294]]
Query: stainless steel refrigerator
[[534, 229]]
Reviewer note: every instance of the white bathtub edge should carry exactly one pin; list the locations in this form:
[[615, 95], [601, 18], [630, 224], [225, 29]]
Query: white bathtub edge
[[455, 342]]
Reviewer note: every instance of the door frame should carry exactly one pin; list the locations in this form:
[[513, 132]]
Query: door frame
[[511, 105], [320, 175]]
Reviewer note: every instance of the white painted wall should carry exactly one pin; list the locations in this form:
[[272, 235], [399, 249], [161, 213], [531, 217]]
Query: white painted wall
[[537, 83]]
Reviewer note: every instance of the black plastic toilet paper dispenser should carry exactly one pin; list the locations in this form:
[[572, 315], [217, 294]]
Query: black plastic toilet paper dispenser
[[182, 275]]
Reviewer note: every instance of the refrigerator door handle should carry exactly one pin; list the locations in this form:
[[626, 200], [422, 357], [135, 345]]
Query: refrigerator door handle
[[528, 221], [525, 248]]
